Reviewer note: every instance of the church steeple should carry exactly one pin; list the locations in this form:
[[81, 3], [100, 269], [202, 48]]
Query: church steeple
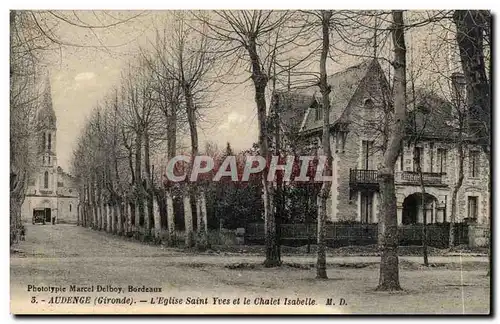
[[46, 115], [47, 128]]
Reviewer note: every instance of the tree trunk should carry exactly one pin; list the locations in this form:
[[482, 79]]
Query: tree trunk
[[272, 248], [139, 202], [170, 217], [104, 219], [202, 240], [121, 216], [260, 80], [454, 193], [388, 222], [321, 253], [129, 216], [149, 221], [201, 213], [325, 146], [422, 203], [156, 218], [188, 219], [171, 151], [108, 218], [470, 26]]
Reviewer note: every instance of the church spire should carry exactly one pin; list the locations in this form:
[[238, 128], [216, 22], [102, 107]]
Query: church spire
[[46, 114]]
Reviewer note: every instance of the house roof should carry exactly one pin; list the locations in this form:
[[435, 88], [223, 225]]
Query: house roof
[[429, 116], [292, 108], [343, 86]]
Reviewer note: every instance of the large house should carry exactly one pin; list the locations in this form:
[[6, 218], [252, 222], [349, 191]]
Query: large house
[[52, 194], [360, 107]]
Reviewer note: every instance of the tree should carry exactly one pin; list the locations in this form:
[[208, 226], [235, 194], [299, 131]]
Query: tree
[[169, 102], [473, 32], [24, 100], [187, 58], [251, 37], [325, 145], [388, 224]]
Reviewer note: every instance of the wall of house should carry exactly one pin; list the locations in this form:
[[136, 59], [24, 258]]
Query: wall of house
[[477, 186], [347, 207], [344, 208]]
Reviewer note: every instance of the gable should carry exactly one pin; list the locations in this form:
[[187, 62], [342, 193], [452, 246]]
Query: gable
[[344, 86]]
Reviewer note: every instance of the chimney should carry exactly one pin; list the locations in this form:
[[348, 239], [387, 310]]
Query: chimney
[[458, 90]]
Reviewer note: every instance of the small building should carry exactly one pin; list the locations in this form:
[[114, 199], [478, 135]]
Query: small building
[[52, 194], [360, 104]]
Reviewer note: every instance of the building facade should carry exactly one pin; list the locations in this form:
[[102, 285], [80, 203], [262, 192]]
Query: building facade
[[360, 107], [52, 195]]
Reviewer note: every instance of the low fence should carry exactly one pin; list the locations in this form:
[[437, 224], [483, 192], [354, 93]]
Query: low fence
[[338, 234]]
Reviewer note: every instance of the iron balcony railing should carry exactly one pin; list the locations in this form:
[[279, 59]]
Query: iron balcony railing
[[363, 178], [358, 176], [427, 177]]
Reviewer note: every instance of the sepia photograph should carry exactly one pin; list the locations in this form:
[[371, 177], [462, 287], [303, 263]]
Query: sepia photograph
[[292, 161]]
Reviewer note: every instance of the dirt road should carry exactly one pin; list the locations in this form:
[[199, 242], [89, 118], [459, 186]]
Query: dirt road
[[72, 257]]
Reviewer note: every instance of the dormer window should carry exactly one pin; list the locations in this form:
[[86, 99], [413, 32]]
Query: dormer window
[[368, 103], [318, 110], [319, 113]]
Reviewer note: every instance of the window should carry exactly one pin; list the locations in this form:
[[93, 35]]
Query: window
[[401, 159], [46, 179], [367, 152], [49, 160], [50, 142], [319, 112], [418, 158], [474, 164], [43, 140], [340, 138], [70, 208], [441, 160], [366, 207], [431, 156], [472, 207]]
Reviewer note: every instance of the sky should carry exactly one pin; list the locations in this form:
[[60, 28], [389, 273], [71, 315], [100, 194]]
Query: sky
[[82, 75]]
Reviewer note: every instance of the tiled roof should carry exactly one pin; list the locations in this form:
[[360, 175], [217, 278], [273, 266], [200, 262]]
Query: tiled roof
[[430, 113], [292, 109], [343, 86], [430, 116]]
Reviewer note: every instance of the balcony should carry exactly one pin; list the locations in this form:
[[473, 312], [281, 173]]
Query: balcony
[[46, 192], [413, 178], [363, 180]]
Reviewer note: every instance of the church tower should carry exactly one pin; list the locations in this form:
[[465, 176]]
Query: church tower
[[46, 134], [52, 194]]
